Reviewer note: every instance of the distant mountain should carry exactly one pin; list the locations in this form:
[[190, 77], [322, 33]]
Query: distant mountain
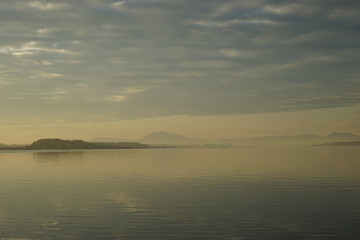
[[354, 143], [285, 138], [342, 135], [166, 138], [162, 137], [265, 140], [2, 145], [108, 139], [305, 139]]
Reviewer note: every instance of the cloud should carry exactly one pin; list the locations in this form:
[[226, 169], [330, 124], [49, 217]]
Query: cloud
[[33, 5], [232, 53], [134, 90], [32, 48], [117, 98], [45, 6], [131, 59], [346, 13], [292, 8], [119, 5], [233, 22], [47, 75]]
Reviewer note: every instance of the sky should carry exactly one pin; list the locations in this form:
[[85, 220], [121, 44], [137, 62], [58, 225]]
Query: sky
[[205, 69]]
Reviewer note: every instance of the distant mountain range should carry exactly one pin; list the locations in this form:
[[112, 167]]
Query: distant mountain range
[[306, 139], [162, 137], [157, 137], [12, 145], [354, 143]]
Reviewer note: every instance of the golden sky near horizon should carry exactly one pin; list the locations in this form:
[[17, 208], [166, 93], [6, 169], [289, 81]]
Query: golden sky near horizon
[[204, 69], [320, 122]]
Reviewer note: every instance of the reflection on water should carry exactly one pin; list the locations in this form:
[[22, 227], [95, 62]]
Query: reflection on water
[[58, 157], [268, 193]]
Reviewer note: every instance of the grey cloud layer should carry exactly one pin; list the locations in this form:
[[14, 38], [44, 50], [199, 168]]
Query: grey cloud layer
[[102, 60]]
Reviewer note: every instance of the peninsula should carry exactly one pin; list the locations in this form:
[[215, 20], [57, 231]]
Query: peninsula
[[60, 144]]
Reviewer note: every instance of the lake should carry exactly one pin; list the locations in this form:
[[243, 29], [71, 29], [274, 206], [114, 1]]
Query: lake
[[240, 193]]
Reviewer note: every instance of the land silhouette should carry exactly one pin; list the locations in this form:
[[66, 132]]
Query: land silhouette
[[162, 139], [55, 143]]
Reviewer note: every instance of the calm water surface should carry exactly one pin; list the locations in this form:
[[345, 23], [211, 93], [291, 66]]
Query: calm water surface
[[250, 193]]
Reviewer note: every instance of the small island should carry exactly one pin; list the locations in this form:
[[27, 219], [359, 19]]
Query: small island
[[60, 144]]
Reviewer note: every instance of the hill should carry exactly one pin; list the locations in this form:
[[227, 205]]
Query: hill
[[60, 144], [56, 143]]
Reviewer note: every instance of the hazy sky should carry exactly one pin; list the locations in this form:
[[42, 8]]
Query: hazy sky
[[204, 68]]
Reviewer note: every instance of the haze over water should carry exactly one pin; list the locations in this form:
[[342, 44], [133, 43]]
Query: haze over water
[[246, 193]]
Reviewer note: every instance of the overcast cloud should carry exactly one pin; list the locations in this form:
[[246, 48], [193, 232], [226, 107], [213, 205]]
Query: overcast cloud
[[100, 60]]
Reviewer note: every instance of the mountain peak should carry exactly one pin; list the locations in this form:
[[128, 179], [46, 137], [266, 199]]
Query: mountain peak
[[162, 134], [163, 137]]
